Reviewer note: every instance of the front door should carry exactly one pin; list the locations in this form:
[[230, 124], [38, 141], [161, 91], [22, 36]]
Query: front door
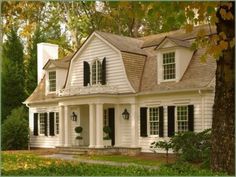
[[111, 124]]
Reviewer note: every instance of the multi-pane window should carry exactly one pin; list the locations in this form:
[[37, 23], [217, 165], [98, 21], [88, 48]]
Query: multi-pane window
[[182, 118], [154, 120], [169, 65], [42, 123], [52, 81], [105, 118], [57, 123], [96, 72]]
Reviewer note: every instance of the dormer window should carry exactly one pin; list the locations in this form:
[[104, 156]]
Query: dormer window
[[169, 71], [52, 81], [96, 72]]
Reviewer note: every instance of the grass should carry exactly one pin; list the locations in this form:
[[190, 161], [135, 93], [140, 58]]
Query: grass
[[28, 164], [123, 159]]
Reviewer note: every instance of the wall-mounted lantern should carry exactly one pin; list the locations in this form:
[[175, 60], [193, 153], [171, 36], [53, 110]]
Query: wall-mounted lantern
[[125, 114], [74, 117]]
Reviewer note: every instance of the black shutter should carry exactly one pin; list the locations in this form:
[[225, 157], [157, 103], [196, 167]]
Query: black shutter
[[143, 122], [104, 71], [161, 122], [171, 120], [190, 117], [46, 124], [86, 73], [36, 124], [51, 124]]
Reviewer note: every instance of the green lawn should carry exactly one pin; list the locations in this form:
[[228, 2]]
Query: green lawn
[[23, 164]]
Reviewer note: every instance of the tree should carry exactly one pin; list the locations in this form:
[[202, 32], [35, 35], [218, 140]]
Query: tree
[[31, 65], [15, 130], [223, 126], [12, 74]]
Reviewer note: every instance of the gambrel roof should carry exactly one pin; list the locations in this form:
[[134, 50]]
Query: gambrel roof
[[139, 58]]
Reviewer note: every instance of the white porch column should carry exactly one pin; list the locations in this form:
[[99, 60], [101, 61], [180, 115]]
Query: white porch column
[[117, 125], [61, 126], [99, 125], [66, 129], [134, 126], [92, 128]]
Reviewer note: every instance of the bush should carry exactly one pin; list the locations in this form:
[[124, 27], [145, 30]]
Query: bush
[[79, 130], [167, 145], [193, 147], [107, 130], [15, 130]]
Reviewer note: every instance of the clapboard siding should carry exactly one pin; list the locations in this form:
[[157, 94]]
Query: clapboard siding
[[41, 140], [202, 113], [96, 48]]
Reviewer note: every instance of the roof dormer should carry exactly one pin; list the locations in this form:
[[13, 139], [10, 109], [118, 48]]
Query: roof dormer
[[173, 57], [55, 71]]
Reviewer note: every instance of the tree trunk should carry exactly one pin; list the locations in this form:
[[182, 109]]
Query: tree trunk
[[223, 125]]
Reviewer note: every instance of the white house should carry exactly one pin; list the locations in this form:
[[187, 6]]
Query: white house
[[157, 80]]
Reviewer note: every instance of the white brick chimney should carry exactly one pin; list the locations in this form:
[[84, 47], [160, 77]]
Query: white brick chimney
[[45, 51]]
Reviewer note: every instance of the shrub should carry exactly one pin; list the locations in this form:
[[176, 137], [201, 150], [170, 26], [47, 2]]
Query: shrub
[[78, 130], [107, 130], [15, 131], [193, 147], [163, 145]]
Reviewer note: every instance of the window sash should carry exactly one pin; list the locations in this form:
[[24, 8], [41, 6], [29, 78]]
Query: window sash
[[52, 81], [182, 118], [154, 121], [96, 72], [57, 123], [169, 70], [41, 123]]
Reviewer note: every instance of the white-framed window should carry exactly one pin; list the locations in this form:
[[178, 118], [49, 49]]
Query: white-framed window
[[57, 122], [169, 71], [153, 121], [105, 118], [52, 81], [96, 72], [42, 123], [182, 118]]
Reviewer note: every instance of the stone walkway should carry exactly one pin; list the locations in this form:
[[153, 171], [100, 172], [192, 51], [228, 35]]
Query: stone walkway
[[122, 164]]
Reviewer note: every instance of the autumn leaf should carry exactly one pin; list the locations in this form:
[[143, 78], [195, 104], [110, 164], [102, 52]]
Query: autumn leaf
[[188, 28]]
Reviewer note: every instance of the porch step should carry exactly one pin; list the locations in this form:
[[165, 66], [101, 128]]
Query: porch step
[[72, 151]]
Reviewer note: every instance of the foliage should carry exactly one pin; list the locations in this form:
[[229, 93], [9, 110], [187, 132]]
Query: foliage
[[107, 130], [31, 65], [163, 145], [15, 130], [79, 130], [12, 73], [28, 164], [193, 147]]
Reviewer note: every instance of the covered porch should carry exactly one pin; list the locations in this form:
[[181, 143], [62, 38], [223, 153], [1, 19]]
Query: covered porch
[[92, 115]]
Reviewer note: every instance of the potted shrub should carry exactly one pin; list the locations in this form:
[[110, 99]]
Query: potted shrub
[[107, 138], [79, 138]]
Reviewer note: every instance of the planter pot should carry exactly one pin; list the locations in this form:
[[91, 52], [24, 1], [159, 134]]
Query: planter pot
[[106, 143], [79, 142]]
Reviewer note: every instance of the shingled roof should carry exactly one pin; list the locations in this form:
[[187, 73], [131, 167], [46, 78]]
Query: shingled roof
[[123, 43]]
